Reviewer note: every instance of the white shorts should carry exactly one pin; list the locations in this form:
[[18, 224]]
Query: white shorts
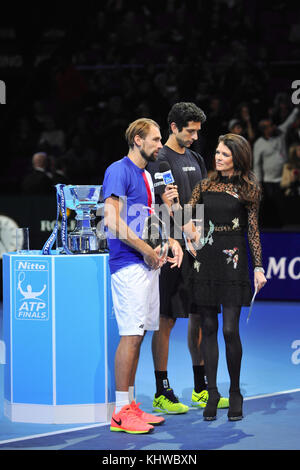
[[135, 294]]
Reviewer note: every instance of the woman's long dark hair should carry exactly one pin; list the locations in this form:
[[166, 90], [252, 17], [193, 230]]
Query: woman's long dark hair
[[242, 163]]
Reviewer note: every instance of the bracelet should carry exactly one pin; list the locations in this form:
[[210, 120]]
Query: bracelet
[[259, 270]]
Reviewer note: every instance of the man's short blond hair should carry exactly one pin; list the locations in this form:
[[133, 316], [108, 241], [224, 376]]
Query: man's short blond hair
[[139, 127]]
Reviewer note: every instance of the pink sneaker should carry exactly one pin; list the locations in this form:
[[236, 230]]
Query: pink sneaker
[[146, 417], [127, 420]]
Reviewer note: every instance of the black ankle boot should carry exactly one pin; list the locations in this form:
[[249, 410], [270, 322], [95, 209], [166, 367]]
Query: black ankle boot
[[210, 411], [235, 412]]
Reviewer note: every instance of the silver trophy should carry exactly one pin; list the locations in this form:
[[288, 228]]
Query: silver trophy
[[84, 200]]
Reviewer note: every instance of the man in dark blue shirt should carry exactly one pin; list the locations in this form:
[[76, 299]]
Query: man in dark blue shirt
[[188, 168]]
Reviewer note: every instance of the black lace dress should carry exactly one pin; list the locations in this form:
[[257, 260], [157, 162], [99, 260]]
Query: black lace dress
[[220, 274]]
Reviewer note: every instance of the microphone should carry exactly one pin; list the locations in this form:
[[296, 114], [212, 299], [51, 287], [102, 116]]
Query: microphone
[[166, 173]]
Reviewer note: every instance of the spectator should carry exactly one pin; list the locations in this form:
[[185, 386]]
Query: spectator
[[39, 180], [269, 154], [59, 171], [243, 115], [235, 127], [282, 108], [293, 133], [290, 184]]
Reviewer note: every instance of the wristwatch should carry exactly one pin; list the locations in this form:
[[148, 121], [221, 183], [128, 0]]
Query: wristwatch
[[259, 270]]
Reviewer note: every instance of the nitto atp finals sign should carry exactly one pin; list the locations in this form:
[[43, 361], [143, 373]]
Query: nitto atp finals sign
[[31, 290]]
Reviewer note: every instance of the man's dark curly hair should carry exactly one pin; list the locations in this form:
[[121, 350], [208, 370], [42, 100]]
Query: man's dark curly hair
[[182, 113]]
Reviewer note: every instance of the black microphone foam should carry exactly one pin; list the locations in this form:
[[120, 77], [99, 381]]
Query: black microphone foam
[[164, 166]]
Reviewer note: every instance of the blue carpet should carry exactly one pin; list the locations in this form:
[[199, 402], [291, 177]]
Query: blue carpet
[[270, 423], [271, 363]]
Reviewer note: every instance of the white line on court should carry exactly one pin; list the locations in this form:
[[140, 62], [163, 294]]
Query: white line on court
[[64, 431], [273, 394]]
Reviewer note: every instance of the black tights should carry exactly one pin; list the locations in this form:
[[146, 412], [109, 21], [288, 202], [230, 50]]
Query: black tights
[[231, 317]]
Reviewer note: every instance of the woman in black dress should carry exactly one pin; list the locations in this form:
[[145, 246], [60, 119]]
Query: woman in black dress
[[231, 198]]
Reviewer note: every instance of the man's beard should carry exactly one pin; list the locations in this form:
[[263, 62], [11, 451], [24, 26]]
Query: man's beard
[[148, 158], [181, 143]]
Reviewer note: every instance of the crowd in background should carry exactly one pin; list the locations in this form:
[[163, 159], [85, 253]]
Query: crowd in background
[[120, 62]]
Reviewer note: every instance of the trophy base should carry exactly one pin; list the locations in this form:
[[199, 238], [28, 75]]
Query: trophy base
[[86, 244]]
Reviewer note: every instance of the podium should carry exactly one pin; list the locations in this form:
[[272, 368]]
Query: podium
[[61, 335]]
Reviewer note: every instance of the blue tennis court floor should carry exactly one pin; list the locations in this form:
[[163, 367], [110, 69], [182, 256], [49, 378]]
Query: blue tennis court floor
[[270, 383]]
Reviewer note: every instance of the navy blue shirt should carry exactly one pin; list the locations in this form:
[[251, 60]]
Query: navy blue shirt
[[187, 169]]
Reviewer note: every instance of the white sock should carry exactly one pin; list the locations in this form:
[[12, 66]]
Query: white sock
[[122, 399], [131, 393]]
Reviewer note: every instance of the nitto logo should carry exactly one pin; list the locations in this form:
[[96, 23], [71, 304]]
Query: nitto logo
[[32, 285], [31, 266], [2, 92]]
